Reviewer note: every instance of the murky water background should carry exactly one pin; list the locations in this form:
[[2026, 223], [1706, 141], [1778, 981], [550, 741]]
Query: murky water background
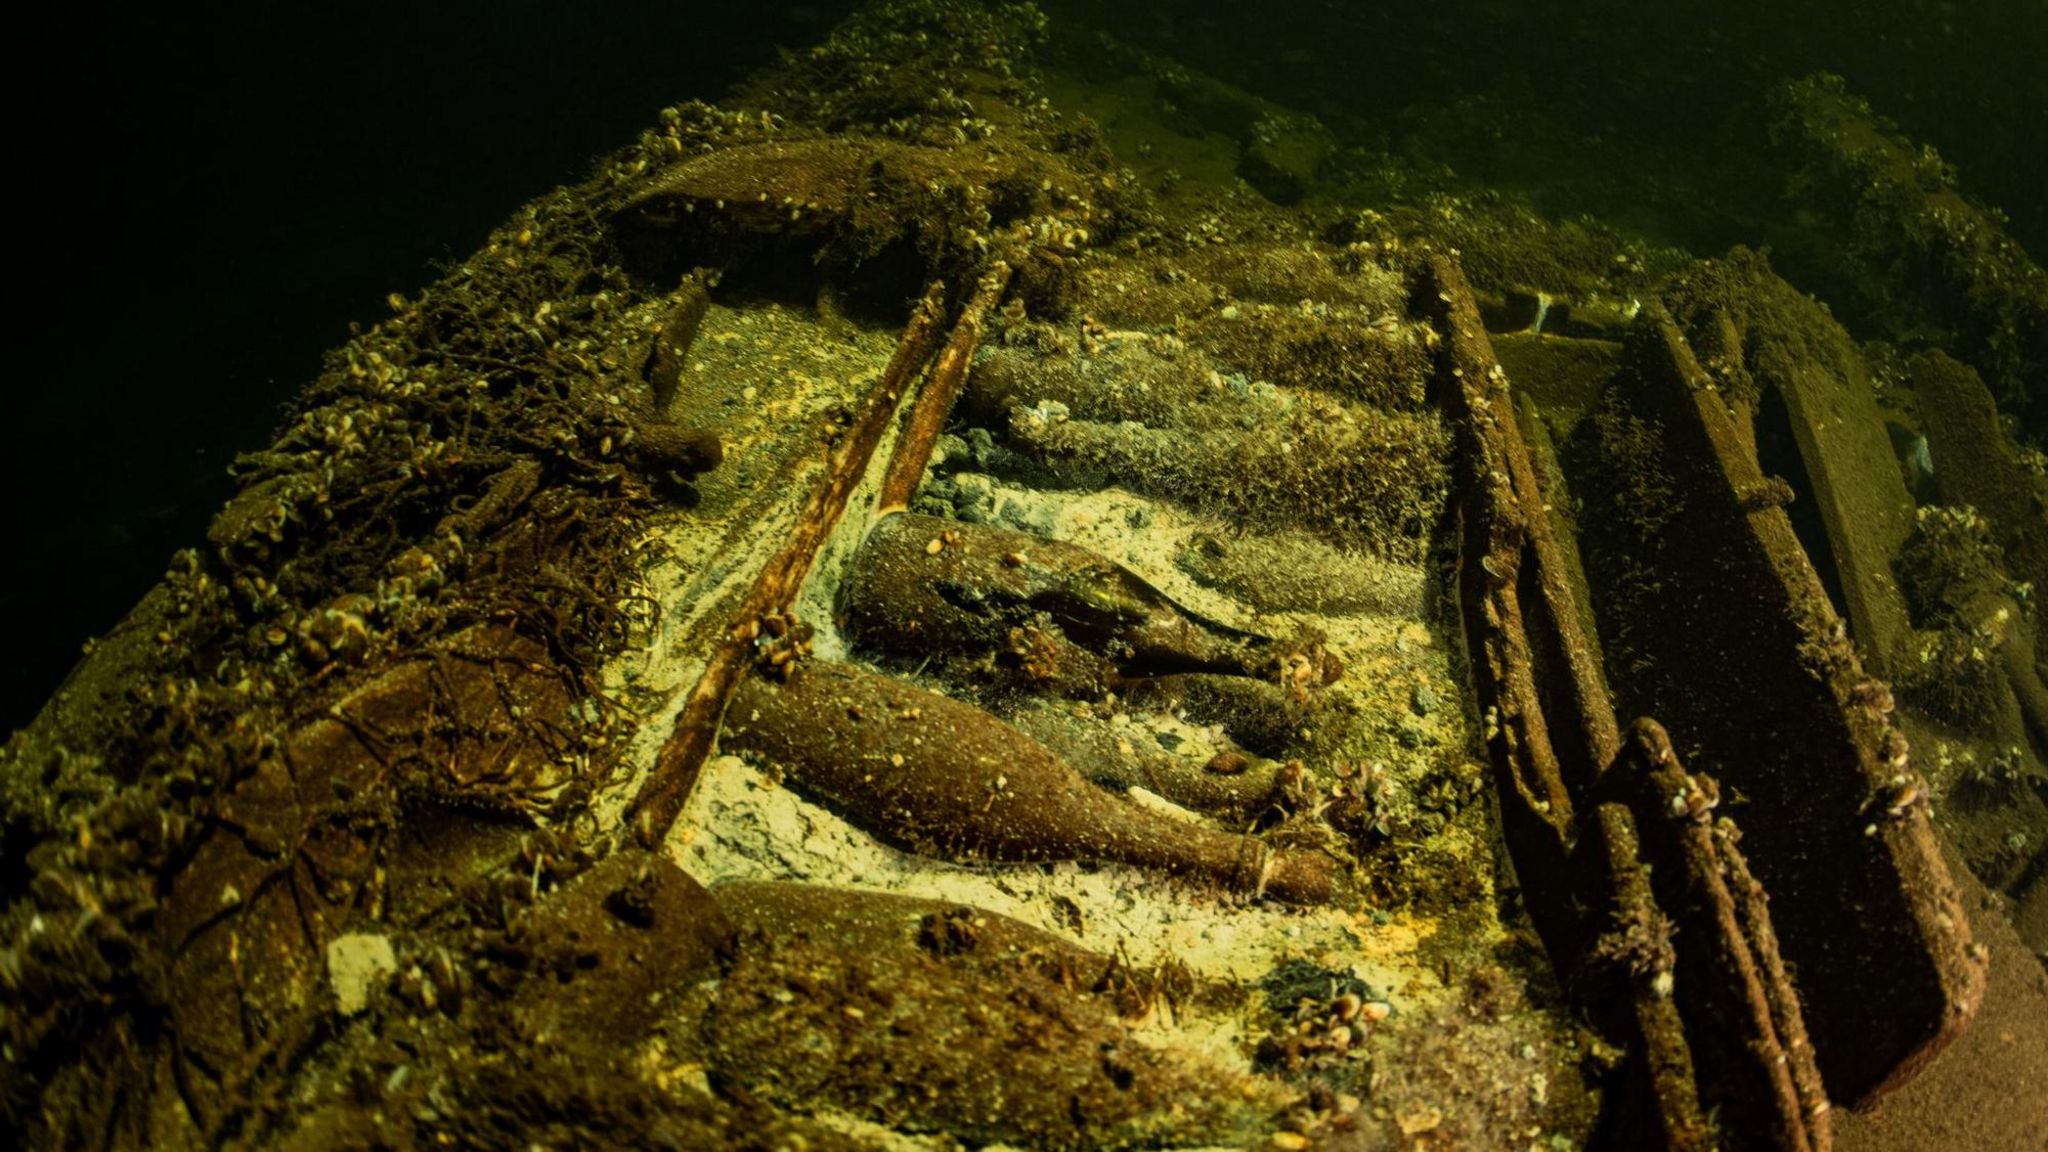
[[224, 191]]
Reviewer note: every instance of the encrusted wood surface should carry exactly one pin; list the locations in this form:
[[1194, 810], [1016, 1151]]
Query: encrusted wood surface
[[1739, 1046], [1755, 670], [667, 788]]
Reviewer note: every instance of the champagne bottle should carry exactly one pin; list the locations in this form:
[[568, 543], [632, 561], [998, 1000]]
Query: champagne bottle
[[935, 776], [935, 1017], [922, 585], [1230, 785]]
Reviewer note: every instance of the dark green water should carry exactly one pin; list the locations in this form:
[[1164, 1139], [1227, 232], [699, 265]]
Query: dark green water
[[217, 193]]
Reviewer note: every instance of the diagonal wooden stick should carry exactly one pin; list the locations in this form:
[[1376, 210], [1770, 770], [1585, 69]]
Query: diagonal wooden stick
[[667, 789], [934, 402]]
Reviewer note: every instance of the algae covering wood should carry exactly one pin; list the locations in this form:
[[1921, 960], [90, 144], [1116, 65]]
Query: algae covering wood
[[827, 799], [667, 788], [1733, 1044], [1796, 374], [1743, 658]]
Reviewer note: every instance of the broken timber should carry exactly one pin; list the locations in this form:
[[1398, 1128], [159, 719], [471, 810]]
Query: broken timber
[[667, 788], [1556, 749], [1752, 669]]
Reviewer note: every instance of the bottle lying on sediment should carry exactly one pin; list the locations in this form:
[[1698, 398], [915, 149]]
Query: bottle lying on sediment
[[937, 1015], [1061, 615], [941, 778], [1356, 477], [924, 586], [1227, 784], [1265, 718]]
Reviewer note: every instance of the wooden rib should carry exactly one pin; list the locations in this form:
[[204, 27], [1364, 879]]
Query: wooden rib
[[1752, 1071], [927, 416], [1536, 804], [1484, 404], [1674, 1121], [660, 800], [1874, 916], [1753, 908], [1518, 605], [1504, 527]]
